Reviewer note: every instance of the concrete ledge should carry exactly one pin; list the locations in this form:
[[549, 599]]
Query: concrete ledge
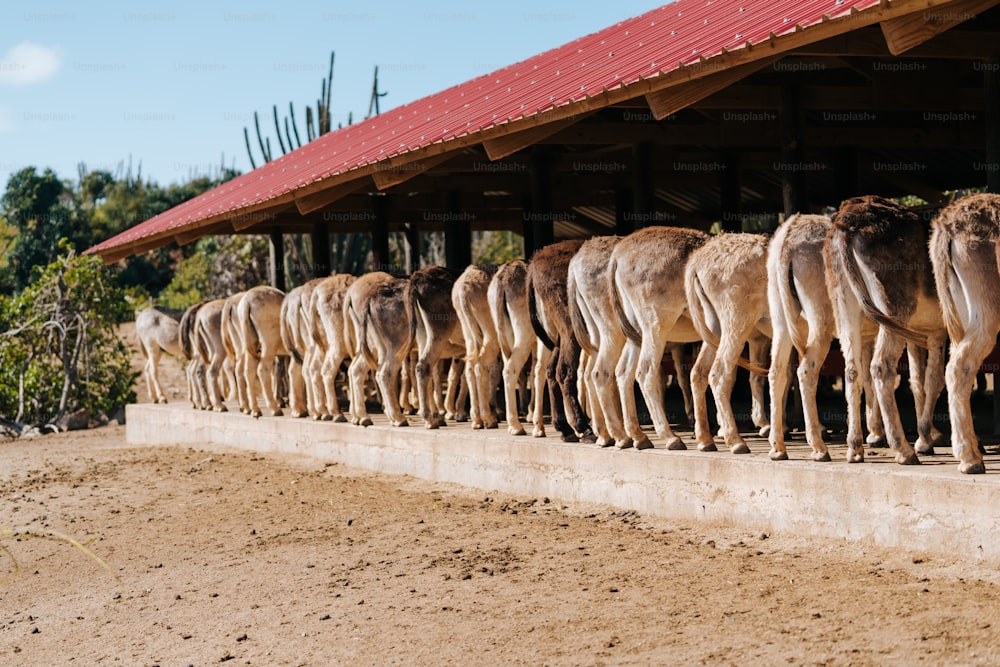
[[931, 507]]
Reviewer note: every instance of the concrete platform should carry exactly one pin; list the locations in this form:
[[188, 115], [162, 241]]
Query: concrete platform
[[931, 507]]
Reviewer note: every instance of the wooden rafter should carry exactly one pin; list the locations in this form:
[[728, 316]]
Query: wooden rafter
[[250, 219], [671, 100], [905, 32], [324, 198], [509, 144], [387, 178]]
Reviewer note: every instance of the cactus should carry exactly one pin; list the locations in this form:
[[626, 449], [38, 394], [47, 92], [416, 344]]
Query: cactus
[[350, 251], [318, 123]]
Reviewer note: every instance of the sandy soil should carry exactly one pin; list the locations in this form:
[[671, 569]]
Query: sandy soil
[[220, 556]]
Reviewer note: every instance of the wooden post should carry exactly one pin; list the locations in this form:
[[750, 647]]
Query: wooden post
[[321, 255], [380, 235], [793, 184], [991, 90], [413, 246], [643, 190], [539, 230], [276, 258], [457, 233], [991, 95], [731, 219], [624, 224], [845, 164]]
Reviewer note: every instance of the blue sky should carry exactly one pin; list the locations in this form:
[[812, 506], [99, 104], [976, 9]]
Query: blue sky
[[173, 84]]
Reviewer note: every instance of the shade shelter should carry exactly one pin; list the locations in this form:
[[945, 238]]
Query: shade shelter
[[697, 112]]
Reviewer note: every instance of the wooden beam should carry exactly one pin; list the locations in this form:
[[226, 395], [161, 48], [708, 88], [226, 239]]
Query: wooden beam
[[671, 100], [319, 237], [113, 255], [792, 150], [991, 91], [905, 32], [731, 193], [330, 195], [457, 233], [380, 234], [190, 236], [501, 147], [276, 257], [871, 43], [245, 220], [387, 178], [643, 188]]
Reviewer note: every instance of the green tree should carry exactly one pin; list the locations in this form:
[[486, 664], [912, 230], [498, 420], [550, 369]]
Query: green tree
[[41, 209], [496, 247], [59, 350]]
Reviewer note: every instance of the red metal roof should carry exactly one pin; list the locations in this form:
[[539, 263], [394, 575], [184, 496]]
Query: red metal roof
[[653, 44]]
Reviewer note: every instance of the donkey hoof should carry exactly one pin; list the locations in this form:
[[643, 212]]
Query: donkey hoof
[[516, 431], [643, 444], [775, 455], [821, 457], [876, 441], [740, 448], [907, 459], [675, 444], [977, 468]]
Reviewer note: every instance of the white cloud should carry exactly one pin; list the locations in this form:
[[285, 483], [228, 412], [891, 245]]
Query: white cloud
[[28, 62]]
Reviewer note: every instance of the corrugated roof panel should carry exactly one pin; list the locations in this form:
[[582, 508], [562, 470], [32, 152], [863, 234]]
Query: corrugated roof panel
[[685, 31]]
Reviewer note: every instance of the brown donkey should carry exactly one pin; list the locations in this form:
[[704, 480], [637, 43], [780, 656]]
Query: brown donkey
[[547, 300], [725, 281], [647, 283], [878, 267], [965, 254]]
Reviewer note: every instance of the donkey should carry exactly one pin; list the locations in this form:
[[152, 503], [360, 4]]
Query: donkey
[[434, 328], [801, 317], [380, 332], [725, 281], [326, 307], [156, 331], [232, 341], [592, 315], [965, 255], [297, 335], [646, 271], [259, 318], [482, 348], [878, 266], [547, 276], [210, 349], [195, 371], [508, 300]]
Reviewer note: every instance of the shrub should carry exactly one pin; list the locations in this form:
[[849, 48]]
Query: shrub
[[59, 350]]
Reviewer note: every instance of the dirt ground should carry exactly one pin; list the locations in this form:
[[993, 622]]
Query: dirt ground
[[223, 556]]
